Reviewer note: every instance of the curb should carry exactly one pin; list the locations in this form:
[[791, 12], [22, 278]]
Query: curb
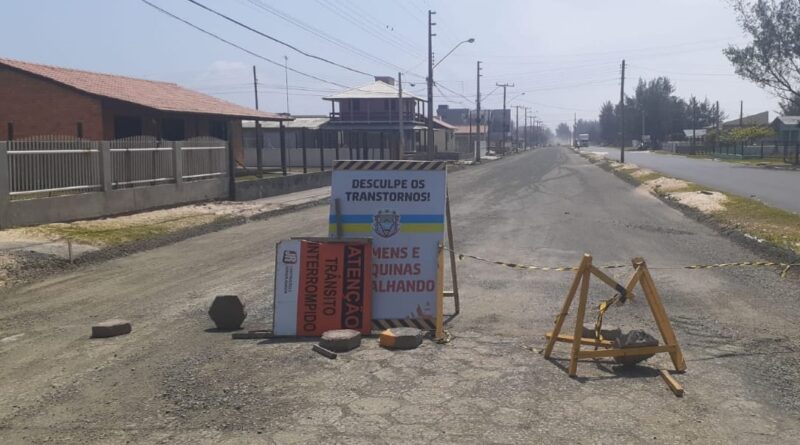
[[191, 232], [770, 251]]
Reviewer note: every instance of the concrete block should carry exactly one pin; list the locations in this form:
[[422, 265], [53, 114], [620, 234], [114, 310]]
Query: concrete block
[[340, 340], [401, 338], [227, 312], [634, 339], [111, 328]]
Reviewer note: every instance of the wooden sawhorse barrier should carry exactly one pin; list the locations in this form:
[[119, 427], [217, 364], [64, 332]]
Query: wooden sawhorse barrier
[[604, 348]]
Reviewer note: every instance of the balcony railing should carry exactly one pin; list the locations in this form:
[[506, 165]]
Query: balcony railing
[[375, 116]]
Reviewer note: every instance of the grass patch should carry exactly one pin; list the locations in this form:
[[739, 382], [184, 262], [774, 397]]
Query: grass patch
[[108, 233], [776, 226], [648, 177]]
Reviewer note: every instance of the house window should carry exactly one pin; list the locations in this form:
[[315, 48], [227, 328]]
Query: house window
[[218, 129], [127, 126], [79, 129], [10, 129], [173, 129]]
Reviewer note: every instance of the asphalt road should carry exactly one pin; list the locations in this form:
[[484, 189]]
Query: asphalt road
[[778, 188], [175, 381]]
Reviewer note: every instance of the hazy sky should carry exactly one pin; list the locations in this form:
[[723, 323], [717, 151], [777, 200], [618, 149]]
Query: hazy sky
[[563, 54]]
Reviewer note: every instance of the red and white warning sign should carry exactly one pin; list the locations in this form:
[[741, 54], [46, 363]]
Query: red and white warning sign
[[322, 285]]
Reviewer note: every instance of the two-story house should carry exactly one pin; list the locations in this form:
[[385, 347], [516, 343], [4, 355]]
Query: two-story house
[[371, 116]]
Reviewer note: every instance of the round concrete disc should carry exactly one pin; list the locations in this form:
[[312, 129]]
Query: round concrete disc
[[340, 340]]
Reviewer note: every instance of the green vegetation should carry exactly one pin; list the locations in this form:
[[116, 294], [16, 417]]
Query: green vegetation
[[749, 216], [112, 232]]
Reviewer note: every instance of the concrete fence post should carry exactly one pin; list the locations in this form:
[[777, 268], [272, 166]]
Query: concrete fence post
[[5, 185], [177, 163], [104, 151]]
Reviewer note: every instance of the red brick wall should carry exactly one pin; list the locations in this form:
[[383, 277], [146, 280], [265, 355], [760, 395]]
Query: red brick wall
[[39, 107]]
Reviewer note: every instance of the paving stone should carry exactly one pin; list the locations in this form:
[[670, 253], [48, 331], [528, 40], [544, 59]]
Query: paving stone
[[340, 340], [401, 338], [608, 332], [634, 339], [111, 328], [227, 312]]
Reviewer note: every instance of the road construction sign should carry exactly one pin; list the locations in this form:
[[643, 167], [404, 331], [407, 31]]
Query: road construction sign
[[401, 206], [322, 285]]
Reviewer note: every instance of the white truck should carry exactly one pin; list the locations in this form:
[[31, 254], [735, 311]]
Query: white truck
[[583, 140]]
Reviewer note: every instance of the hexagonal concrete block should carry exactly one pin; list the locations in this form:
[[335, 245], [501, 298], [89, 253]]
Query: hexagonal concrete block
[[340, 340], [401, 338], [227, 312], [111, 328]]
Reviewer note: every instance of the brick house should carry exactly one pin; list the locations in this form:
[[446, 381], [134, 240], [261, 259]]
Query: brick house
[[46, 100]]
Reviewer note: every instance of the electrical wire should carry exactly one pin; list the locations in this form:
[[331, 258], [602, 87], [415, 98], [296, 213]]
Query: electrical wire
[[354, 21], [320, 33], [276, 40], [252, 53]]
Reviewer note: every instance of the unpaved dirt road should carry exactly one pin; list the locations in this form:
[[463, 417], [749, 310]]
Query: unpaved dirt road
[[175, 381]]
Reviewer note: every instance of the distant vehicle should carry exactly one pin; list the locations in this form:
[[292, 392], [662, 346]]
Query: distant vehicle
[[583, 140]]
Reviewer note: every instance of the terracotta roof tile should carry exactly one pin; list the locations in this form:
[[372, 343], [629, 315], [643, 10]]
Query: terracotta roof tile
[[157, 95]]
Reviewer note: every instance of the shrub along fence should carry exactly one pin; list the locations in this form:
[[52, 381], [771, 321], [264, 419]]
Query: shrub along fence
[[53, 178], [788, 152]]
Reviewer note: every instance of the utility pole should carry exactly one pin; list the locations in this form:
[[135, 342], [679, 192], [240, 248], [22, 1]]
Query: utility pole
[[575, 131], [259, 155], [642, 126], [400, 116], [286, 72], [516, 130], [430, 83], [716, 137], [622, 115], [525, 136], [505, 121], [694, 123], [478, 116], [741, 113]]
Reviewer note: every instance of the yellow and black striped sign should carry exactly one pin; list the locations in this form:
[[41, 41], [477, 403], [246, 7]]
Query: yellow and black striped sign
[[390, 165], [425, 324]]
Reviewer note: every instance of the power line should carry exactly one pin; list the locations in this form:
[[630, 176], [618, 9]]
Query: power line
[[254, 54], [359, 24], [274, 39], [320, 33]]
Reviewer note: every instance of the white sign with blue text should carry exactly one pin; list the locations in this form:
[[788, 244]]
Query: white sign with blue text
[[401, 206]]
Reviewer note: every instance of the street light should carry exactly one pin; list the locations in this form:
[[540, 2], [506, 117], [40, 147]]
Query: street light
[[431, 66], [470, 40], [518, 95]]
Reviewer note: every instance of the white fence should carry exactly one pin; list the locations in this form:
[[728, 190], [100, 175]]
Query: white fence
[[53, 166]]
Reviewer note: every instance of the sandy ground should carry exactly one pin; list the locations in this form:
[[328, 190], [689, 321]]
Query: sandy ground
[[174, 380], [48, 246]]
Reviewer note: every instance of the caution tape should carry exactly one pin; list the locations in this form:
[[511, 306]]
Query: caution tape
[[785, 266], [461, 256]]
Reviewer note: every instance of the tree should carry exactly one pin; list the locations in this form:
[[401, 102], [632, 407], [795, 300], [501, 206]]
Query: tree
[[592, 128], [563, 132], [772, 59], [609, 127]]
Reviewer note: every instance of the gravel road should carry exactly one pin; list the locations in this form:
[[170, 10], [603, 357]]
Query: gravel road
[[174, 380]]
